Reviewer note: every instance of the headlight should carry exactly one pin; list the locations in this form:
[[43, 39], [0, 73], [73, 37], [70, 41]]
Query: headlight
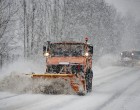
[[86, 54], [46, 54], [121, 53], [132, 54]]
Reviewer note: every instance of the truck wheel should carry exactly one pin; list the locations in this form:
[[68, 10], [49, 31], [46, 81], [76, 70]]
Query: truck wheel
[[88, 77], [90, 85]]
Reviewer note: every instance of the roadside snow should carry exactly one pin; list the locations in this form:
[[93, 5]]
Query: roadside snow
[[114, 88]]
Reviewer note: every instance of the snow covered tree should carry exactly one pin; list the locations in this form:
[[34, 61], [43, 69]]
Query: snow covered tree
[[7, 11], [37, 21]]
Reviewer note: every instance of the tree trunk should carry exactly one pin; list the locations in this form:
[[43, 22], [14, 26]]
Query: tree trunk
[[33, 17], [24, 6]]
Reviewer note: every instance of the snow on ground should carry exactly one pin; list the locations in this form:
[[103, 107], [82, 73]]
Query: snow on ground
[[114, 88], [13, 79]]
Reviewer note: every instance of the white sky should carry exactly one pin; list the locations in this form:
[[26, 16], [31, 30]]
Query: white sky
[[127, 6]]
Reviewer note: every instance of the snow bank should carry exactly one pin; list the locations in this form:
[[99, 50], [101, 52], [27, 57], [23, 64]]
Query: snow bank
[[13, 79], [19, 83]]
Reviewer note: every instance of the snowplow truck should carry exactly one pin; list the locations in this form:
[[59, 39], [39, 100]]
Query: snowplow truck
[[70, 61]]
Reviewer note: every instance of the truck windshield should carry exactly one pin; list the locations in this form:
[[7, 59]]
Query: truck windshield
[[136, 55], [126, 54], [67, 49]]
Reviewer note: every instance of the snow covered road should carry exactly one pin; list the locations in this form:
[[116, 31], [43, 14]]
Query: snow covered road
[[114, 88]]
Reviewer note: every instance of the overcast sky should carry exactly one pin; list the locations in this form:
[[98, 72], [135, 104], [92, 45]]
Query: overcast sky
[[124, 6]]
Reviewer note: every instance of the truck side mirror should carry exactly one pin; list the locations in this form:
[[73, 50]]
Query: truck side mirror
[[91, 49], [48, 45], [44, 49]]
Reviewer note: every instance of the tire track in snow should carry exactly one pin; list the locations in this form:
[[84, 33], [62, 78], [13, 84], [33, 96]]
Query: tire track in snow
[[61, 103], [110, 74], [25, 102], [133, 95], [117, 95], [115, 76], [53, 102], [10, 97]]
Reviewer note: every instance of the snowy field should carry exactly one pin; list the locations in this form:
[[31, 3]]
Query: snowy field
[[114, 88]]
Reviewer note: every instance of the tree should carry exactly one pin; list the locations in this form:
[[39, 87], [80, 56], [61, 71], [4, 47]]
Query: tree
[[7, 11]]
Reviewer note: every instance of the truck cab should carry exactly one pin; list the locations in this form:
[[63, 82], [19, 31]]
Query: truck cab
[[73, 58]]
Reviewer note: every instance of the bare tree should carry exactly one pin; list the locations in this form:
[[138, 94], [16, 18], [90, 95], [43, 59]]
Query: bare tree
[[7, 11]]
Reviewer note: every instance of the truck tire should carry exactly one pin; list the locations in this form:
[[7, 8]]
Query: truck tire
[[88, 77]]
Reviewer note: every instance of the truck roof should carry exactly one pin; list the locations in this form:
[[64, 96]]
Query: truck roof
[[64, 42]]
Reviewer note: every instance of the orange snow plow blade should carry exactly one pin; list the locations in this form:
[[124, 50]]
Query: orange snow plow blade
[[76, 82]]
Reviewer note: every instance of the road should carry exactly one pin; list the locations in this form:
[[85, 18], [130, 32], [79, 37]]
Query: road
[[114, 88]]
